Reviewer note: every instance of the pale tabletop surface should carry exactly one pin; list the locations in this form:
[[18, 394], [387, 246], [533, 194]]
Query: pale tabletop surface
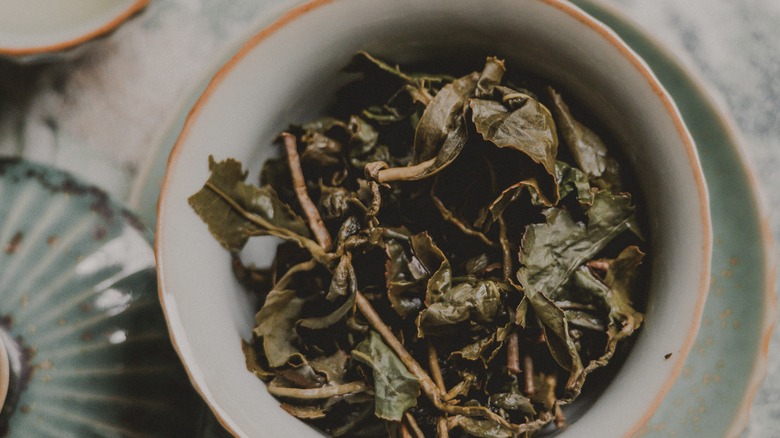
[[98, 116]]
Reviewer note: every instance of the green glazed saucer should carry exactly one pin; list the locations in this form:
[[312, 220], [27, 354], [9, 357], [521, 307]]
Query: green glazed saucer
[[727, 364], [87, 345]]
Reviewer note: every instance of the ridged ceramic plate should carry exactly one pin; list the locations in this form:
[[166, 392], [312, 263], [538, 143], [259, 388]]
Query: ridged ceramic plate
[[79, 315], [725, 368]]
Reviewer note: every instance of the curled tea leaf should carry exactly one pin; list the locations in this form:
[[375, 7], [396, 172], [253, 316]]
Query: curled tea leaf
[[528, 128], [441, 133]]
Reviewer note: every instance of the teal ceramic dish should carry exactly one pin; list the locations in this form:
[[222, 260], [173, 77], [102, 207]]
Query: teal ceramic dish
[[713, 394], [86, 343]]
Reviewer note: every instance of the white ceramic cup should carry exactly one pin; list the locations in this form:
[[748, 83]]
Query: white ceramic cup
[[290, 71], [35, 30]]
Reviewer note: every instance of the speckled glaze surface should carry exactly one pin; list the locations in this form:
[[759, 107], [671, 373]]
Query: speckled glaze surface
[[79, 316]]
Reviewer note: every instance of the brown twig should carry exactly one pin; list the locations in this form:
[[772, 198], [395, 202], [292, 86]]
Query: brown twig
[[513, 353], [403, 173], [426, 383], [418, 433], [317, 393], [528, 372], [450, 217], [506, 248], [442, 431], [376, 200], [299, 184], [456, 390], [287, 277], [433, 364], [405, 431], [598, 265], [560, 417]]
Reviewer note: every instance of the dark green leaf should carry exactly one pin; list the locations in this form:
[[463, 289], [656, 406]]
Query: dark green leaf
[[528, 129], [334, 202], [484, 349], [441, 133], [490, 77], [276, 326], [513, 401], [415, 271], [471, 300], [552, 251], [307, 412], [321, 150], [403, 290], [395, 387], [615, 293], [572, 180], [344, 281], [436, 265], [589, 151], [267, 215], [255, 362], [556, 332]]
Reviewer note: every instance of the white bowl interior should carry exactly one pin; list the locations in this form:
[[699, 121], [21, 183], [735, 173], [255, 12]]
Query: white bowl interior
[[292, 73], [40, 23]]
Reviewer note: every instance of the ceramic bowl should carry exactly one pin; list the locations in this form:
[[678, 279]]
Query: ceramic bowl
[[280, 76], [84, 349], [37, 30]]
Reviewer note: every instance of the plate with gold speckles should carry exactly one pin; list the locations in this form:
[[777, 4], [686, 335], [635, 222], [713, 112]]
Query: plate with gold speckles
[[84, 349]]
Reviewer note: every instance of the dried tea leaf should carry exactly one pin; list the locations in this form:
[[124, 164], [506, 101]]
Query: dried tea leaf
[[589, 151], [528, 128], [261, 211], [435, 263], [276, 323], [572, 180], [441, 133], [552, 251], [308, 412], [513, 401], [396, 389], [471, 300]]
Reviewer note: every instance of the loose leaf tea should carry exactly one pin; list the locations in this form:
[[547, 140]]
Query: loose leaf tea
[[458, 255]]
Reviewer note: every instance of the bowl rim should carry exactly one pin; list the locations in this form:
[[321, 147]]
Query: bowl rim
[[135, 7], [564, 6]]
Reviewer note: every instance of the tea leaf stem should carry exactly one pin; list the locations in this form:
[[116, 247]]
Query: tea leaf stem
[[299, 185]]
